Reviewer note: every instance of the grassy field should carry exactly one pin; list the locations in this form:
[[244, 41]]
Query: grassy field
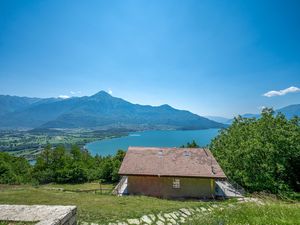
[[93, 187], [71, 187], [273, 212], [106, 208], [15, 223], [92, 207]]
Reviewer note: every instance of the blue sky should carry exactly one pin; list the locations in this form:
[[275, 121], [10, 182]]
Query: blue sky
[[209, 57]]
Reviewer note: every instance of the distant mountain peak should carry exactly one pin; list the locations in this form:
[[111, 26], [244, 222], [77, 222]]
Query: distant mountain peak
[[101, 95], [166, 106]]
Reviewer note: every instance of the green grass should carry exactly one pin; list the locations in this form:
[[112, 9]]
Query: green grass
[[85, 186], [107, 208], [92, 207], [16, 223], [274, 212]]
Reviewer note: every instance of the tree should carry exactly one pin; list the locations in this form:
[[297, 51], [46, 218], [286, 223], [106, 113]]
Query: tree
[[106, 169], [76, 153], [14, 170], [60, 165], [261, 154], [120, 155], [190, 145]]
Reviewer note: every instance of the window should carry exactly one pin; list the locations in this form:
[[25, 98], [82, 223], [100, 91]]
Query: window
[[176, 183]]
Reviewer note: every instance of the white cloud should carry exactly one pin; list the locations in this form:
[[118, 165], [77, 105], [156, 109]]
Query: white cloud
[[110, 92], [64, 96], [75, 92], [281, 92]]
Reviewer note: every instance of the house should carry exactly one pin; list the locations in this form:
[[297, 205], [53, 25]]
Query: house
[[170, 172]]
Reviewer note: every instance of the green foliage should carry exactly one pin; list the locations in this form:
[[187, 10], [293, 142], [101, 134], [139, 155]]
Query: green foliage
[[14, 170], [60, 166], [76, 166], [261, 154], [110, 166], [190, 145]]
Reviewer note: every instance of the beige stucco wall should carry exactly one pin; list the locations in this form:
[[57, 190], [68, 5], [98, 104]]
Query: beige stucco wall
[[163, 187]]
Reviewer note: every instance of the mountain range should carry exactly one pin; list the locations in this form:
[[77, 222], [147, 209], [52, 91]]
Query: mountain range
[[99, 111]]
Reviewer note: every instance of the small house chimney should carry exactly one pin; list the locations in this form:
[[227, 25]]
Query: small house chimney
[[160, 153]]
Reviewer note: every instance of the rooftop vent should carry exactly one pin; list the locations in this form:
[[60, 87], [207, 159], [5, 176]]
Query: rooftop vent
[[186, 153], [160, 153], [213, 170]]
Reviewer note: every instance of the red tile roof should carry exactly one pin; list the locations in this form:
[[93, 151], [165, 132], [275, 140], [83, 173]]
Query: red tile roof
[[181, 162]]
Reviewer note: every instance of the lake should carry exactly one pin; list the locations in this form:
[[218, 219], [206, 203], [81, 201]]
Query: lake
[[165, 138]]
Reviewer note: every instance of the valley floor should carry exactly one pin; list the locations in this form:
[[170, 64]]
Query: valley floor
[[104, 208], [29, 144]]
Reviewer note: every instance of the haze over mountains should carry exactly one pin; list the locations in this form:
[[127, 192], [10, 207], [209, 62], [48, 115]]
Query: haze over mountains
[[99, 111], [103, 111]]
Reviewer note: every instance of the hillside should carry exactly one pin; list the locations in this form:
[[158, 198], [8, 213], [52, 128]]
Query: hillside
[[101, 111], [103, 208], [218, 119], [10, 104], [290, 111]]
